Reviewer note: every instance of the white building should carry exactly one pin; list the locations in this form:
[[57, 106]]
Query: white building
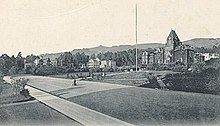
[[145, 58], [94, 63], [209, 56], [107, 64], [36, 61]]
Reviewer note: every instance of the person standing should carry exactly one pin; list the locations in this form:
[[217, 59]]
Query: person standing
[[74, 82]]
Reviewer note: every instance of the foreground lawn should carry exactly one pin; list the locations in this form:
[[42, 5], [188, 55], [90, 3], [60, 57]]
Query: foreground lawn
[[141, 106], [7, 95], [131, 78], [33, 114], [27, 113]]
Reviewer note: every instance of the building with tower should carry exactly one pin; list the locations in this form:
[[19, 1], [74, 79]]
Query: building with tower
[[174, 51]]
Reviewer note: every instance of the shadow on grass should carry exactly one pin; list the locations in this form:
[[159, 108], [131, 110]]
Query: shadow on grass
[[24, 100], [64, 91]]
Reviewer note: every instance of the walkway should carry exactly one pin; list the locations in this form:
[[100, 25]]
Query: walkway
[[44, 90], [79, 113]]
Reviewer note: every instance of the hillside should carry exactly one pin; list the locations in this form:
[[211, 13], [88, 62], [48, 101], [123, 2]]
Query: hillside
[[103, 49], [203, 42], [197, 42]]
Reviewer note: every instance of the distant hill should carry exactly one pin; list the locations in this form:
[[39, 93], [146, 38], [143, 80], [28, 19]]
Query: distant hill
[[203, 42], [197, 42], [103, 49]]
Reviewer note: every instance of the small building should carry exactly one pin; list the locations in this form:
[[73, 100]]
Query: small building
[[198, 58], [152, 58], [93, 63], [36, 61], [145, 58], [209, 56], [108, 64]]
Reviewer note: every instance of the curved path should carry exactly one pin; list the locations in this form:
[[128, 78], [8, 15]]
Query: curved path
[[43, 88]]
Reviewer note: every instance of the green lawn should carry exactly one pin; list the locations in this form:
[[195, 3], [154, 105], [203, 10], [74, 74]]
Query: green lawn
[[27, 113], [131, 78], [141, 106], [33, 114], [7, 96]]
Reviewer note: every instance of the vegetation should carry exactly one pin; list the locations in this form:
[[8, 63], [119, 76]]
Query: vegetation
[[11, 64], [19, 87], [15, 92], [141, 106], [34, 114], [205, 81]]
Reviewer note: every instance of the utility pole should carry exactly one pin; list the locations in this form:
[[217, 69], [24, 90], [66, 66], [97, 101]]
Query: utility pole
[[136, 31]]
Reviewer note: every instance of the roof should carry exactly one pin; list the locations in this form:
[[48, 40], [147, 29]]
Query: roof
[[172, 38]]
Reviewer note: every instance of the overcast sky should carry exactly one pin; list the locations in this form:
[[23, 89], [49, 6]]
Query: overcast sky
[[45, 26]]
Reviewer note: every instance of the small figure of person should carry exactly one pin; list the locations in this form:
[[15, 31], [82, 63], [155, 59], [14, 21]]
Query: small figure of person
[[74, 82]]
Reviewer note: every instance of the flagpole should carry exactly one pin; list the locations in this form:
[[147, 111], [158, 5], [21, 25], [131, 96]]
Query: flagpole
[[136, 21]]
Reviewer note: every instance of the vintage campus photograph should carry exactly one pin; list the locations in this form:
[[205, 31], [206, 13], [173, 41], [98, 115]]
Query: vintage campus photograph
[[109, 63]]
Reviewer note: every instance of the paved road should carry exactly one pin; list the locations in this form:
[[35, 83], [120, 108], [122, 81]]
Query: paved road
[[64, 88], [79, 113]]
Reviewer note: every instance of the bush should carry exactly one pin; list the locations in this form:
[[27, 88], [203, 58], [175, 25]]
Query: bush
[[19, 86], [202, 82], [45, 70]]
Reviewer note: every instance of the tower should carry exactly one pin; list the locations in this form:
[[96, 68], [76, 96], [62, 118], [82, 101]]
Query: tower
[[172, 43], [173, 40]]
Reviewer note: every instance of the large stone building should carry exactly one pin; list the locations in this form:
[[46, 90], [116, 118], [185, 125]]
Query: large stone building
[[174, 51]]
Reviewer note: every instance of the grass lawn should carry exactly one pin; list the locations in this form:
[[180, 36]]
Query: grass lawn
[[142, 106], [33, 114], [27, 113], [131, 82], [7, 96], [131, 78]]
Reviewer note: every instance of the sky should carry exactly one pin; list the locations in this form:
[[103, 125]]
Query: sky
[[50, 26]]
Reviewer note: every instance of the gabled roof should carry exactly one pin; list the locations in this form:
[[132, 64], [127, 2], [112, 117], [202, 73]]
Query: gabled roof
[[172, 38]]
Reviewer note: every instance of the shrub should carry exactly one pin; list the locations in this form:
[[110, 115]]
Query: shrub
[[19, 86], [45, 70], [202, 82]]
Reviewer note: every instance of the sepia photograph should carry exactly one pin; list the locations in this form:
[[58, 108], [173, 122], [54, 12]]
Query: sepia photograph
[[109, 63]]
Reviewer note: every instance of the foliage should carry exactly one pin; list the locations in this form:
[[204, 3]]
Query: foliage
[[11, 63], [123, 58], [70, 60], [19, 86], [214, 49], [201, 82], [45, 70]]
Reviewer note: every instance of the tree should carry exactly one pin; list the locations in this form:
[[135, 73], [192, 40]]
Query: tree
[[19, 61], [48, 62], [93, 56]]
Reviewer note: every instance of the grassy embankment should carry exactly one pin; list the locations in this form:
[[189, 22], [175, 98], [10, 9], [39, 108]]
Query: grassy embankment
[[131, 78], [7, 94], [124, 78], [26, 113], [142, 106]]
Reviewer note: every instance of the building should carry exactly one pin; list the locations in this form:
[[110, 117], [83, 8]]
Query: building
[[65, 60], [145, 58], [184, 54], [31, 63], [36, 61], [174, 51], [108, 64], [172, 43], [93, 63], [198, 58], [209, 56]]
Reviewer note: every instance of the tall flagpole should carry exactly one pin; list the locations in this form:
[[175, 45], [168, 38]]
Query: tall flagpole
[[136, 26]]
